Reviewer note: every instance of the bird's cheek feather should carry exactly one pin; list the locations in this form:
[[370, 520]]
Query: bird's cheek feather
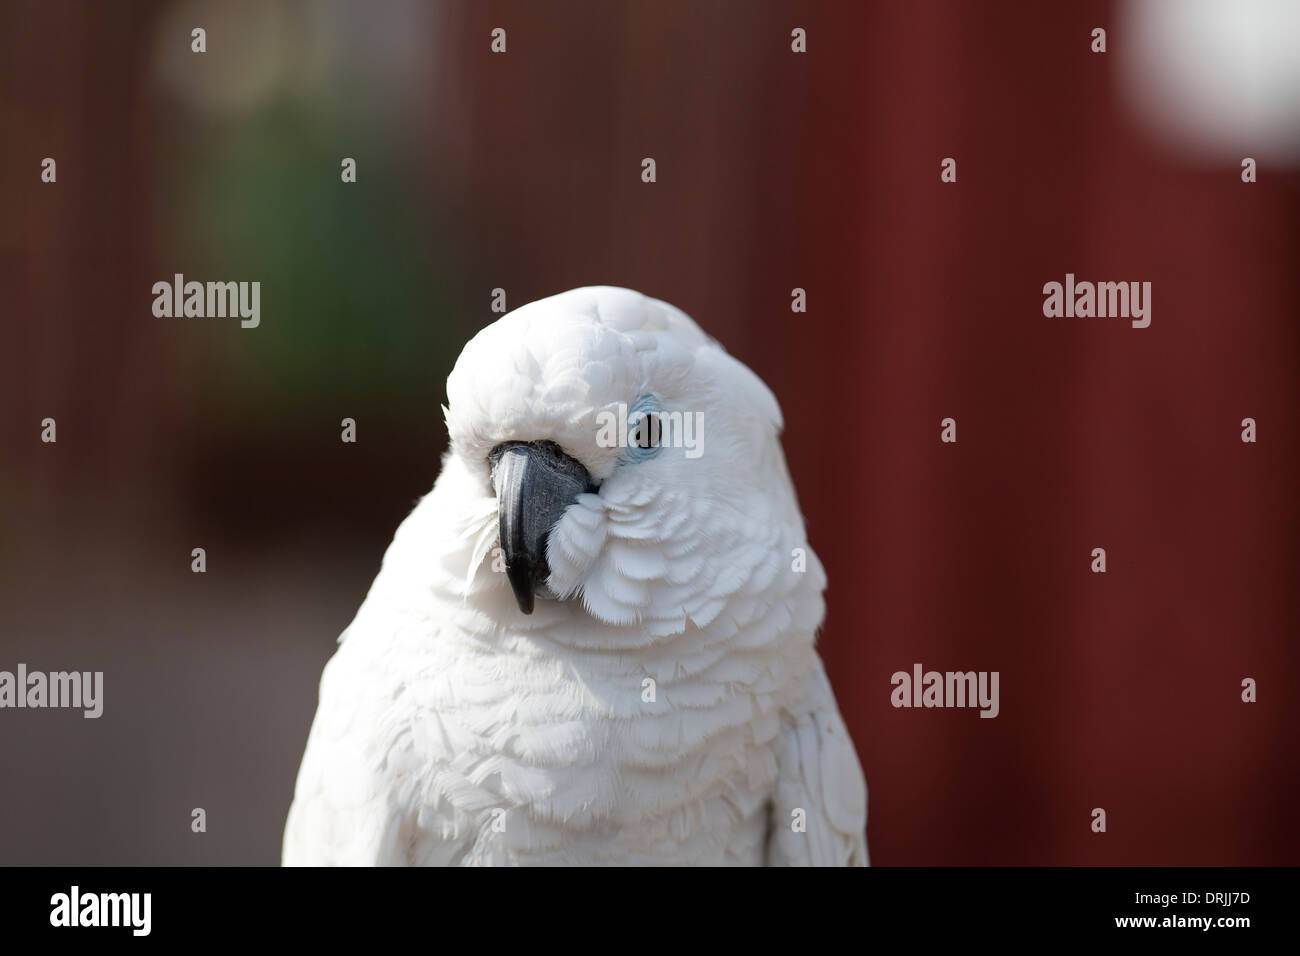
[[576, 541]]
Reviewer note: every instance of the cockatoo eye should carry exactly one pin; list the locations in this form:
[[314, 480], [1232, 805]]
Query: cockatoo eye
[[645, 429], [647, 432]]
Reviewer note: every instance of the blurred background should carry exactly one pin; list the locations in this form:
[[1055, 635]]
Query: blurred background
[[775, 170]]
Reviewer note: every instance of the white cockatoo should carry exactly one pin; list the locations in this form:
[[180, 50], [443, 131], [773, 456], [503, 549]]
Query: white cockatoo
[[592, 642]]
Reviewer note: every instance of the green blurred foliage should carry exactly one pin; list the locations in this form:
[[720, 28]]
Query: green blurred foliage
[[353, 302]]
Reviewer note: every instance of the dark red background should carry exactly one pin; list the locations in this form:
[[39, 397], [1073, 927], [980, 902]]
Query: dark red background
[[521, 171]]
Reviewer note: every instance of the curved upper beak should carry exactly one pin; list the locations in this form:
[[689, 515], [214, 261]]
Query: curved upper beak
[[535, 482]]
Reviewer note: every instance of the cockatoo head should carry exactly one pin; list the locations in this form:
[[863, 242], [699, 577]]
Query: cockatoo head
[[635, 466]]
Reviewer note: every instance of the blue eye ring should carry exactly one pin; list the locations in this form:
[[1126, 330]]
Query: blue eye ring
[[643, 407]]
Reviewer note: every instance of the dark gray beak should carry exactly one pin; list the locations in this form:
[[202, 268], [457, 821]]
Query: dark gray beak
[[535, 482]]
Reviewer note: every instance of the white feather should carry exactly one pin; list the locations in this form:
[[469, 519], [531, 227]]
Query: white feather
[[670, 710]]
